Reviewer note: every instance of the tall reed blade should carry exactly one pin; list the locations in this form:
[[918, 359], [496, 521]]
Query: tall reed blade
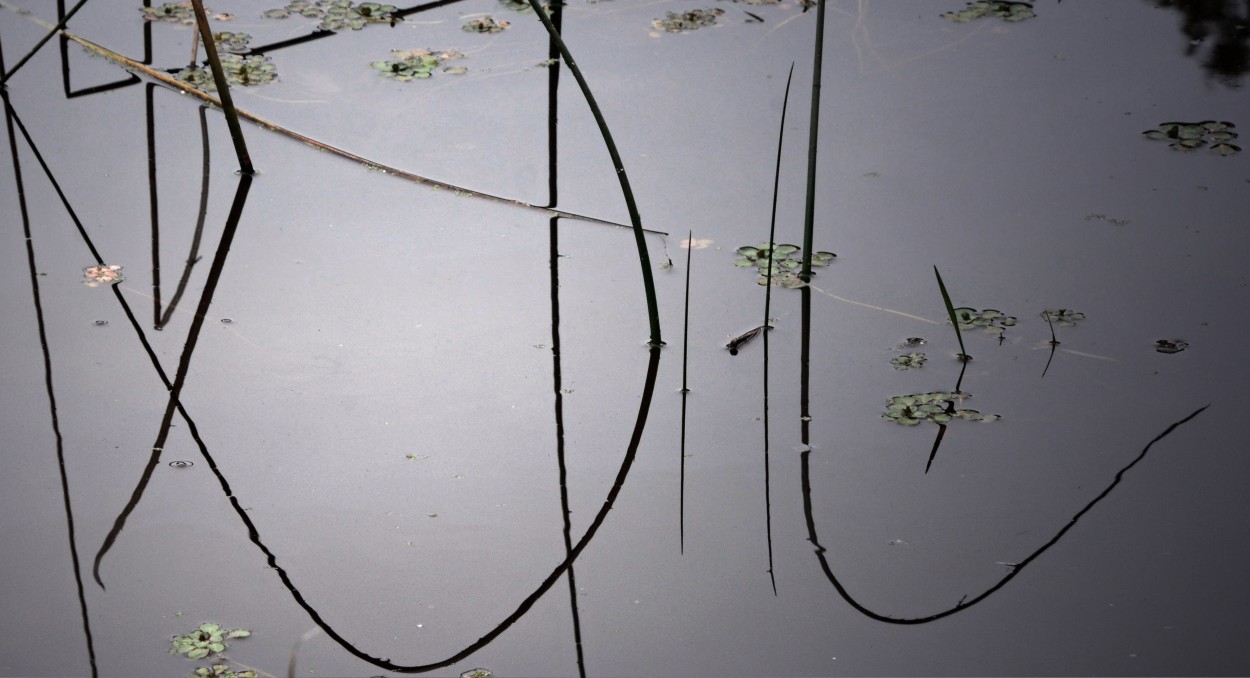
[[950, 312], [809, 215], [644, 259]]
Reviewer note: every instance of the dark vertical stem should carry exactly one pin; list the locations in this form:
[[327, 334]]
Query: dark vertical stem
[[805, 354], [809, 217], [153, 204], [644, 259], [193, 256], [685, 391], [223, 89], [60, 25]]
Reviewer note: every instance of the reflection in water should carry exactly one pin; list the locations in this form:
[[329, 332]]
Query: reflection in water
[[1225, 26]]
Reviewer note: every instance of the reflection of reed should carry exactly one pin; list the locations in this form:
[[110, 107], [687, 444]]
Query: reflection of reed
[[964, 603], [9, 117]]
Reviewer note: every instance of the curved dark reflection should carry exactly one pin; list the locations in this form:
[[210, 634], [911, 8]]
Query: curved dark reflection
[[1218, 32], [1016, 568]]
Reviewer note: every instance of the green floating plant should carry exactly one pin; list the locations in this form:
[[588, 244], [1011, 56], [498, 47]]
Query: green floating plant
[[909, 361], [1007, 11], [172, 12], [208, 639], [681, 22], [937, 407], [1063, 317], [336, 15], [990, 320], [485, 24], [255, 69], [418, 64], [232, 42], [786, 262], [1187, 137], [104, 274], [222, 671]]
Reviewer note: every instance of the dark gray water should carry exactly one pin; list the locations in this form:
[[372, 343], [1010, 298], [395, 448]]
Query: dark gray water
[[394, 393]]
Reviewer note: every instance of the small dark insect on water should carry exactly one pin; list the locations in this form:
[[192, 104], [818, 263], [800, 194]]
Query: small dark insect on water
[[745, 338]]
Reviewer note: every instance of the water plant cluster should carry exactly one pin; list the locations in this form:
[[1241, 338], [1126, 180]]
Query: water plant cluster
[[417, 64], [336, 15], [1190, 136], [1007, 11], [94, 276], [208, 639], [937, 407], [485, 24], [171, 12], [232, 42], [254, 69], [222, 671], [1171, 345], [908, 360], [786, 262], [681, 22], [990, 320], [1063, 317]]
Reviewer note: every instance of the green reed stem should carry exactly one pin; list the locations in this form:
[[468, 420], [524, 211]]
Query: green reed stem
[[644, 259], [950, 311], [809, 216]]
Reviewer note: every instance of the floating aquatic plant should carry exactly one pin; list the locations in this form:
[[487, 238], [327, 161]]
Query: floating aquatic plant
[[255, 69], [208, 639], [912, 342], [485, 24], [990, 320], [675, 22], [1007, 11], [937, 407], [417, 64], [522, 6], [232, 42], [222, 671], [1063, 317], [94, 276], [336, 15], [171, 12], [1171, 345], [786, 262], [908, 361], [1190, 136]]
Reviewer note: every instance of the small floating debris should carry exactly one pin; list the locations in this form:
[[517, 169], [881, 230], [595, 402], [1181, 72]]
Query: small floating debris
[[208, 639], [477, 673], [909, 361], [912, 342], [94, 276], [682, 22], [486, 24], [1171, 345], [1190, 136], [1007, 11], [99, 323], [745, 338], [417, 64]]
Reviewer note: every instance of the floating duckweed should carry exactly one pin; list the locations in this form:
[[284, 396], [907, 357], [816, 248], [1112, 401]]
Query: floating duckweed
[[336, 15], [675, 22], [208, 639], [477, 673], [1007, 11], [906, 362], [485, 24], [990, 320], [912, 342], [256, 69], [937, 407], [1063, 317], [222, 671], [232, 42], [417, 63], [1187, 137], [786, 262], [171, 12], [1171, 345], [94, 276]]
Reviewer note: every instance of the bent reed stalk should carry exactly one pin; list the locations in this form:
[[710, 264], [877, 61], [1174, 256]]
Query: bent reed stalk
[[644, 259]]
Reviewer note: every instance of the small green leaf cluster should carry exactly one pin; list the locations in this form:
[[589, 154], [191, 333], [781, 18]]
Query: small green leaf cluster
[[785, 262], [208, 639], [335, 15], [908, 361], [417, 64], [990, 320], [232, 42], [485, 24], [171, 12], [1190, 136], [222, 671], [256, 69], [523, 6], [675, 22], [937, 407], [1007, 11], [1063, 317]]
